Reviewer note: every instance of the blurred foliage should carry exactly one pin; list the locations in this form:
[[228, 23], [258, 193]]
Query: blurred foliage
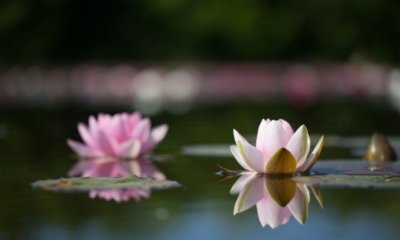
[[71, 30]]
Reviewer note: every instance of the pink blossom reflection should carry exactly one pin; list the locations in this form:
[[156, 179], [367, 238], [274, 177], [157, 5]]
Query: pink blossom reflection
[[112, 167], [276, 199]]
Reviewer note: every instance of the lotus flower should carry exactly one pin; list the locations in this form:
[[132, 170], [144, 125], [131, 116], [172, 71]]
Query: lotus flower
[[120, 135], [109, 167], [277, 199], [278, 150]]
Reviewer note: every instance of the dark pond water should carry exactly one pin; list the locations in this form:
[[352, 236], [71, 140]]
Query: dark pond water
[[33, 146]]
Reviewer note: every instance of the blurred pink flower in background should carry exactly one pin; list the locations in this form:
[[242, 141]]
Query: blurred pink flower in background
[[121, 135], [116, 168], [277, 199], [300, 85], [278, 149]]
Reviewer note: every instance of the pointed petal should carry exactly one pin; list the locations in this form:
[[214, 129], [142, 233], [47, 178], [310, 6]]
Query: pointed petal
[[250, 195], [156, 136], [288, 128], [299, 145], [83, 150], [307, 165], [106, 144], [318, 195], [142, 130], [129, 149], [240, 159], [121, 132], [282, 190], [270, 213], [281, 163], [261, 131], [251, 155], [158, 133], [238, 186], [271, 137], [135, 168], [85, 135], [299, 205], [93, 126]]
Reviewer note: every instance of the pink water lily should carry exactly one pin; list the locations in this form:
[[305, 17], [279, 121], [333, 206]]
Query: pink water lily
[[277, 199], [278, 149], [109, 167], [120, 135]]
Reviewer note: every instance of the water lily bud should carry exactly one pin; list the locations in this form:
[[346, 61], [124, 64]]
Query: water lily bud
[[379, 151]]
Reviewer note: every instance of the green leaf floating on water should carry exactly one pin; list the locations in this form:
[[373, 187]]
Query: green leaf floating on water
[[353, 181], [352, 173], [102, 183], [343, 173]]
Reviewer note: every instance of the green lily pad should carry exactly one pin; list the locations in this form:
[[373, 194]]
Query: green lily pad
[[102, 183], [343, 173], [352, 173], [354, 167], [353, 181]]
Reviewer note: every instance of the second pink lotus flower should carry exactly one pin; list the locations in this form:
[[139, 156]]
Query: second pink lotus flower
[[278, 149], [121, 135]]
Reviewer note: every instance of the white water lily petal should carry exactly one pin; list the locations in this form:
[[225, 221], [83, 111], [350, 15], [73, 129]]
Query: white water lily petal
[[270, 213], [299, 204], [271, 137], [235, 152], [238, 186], [307, 165], [299, 145], [250, 195], [285, 125], [261, 132], [318, 195], [252, 157]]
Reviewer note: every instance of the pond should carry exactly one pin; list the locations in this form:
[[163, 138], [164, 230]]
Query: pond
[[33, 146]]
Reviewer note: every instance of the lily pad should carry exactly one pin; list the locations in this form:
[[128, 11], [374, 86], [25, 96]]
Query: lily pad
[[353, 181], [353, 167], [102, 183], [343, 173]]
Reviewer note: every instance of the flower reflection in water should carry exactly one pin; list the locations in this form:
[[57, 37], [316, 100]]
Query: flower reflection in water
[[276, 199], [115, 168]]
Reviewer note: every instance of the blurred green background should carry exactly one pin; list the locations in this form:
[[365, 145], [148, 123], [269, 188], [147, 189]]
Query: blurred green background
[[252, 30]]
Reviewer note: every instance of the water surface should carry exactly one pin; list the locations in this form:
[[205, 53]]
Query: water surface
[[32, 146]]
